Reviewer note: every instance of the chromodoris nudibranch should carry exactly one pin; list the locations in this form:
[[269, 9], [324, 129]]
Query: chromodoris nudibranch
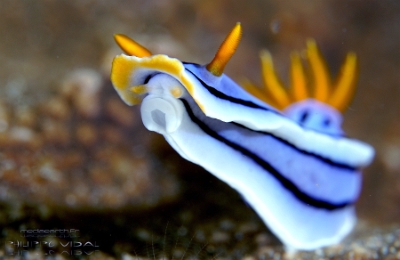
[[302, 183]]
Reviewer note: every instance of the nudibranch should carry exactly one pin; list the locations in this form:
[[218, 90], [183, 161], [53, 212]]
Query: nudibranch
[[312, 101], [301, 182]]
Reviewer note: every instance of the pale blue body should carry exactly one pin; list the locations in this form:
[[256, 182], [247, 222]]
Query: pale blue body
[[301, 182]]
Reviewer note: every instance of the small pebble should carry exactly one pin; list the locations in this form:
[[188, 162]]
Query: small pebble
[[219, 237]]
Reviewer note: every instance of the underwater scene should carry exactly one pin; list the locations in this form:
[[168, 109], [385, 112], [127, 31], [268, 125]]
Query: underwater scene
[[200, 129]]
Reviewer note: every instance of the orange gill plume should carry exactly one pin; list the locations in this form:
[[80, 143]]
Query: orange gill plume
[[318, 86]]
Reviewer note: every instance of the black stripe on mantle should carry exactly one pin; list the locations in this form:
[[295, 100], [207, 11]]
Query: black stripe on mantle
[[221, 95], [286, 183]]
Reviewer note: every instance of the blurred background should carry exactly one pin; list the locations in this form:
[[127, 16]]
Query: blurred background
[[73, 156]]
